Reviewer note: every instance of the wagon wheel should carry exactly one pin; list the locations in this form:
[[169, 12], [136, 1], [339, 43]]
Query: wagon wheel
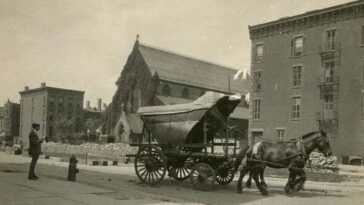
[[224, 174], [202, 176], [180, 170], [150, 165]]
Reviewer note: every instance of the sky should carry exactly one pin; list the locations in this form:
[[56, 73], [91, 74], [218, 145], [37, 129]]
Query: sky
[[84, 44]]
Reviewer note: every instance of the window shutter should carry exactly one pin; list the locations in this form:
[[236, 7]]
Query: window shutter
[[254, 52], [292, 47], [304, 45]]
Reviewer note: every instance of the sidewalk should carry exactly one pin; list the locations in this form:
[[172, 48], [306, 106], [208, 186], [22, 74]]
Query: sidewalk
[[273, 183]]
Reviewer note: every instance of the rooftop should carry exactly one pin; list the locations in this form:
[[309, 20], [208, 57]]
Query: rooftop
[[44, 87], [181, 69], [308, 14]]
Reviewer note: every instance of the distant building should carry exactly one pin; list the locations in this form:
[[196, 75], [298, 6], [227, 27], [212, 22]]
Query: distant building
[[308, 74], [46, 105], [92, 114], [154, 76], [9, 121]]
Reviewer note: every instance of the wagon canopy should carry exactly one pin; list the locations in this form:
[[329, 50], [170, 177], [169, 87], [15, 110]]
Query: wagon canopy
[[183, 123]]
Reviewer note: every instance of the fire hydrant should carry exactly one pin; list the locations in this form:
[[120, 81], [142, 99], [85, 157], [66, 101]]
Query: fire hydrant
[[72, 169]]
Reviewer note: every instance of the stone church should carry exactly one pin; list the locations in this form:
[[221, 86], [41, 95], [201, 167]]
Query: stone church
[[153, 76]]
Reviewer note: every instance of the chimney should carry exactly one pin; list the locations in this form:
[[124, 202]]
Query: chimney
[[43, 85], [104, 106], [88, 105], [99, 101], [26, 88]]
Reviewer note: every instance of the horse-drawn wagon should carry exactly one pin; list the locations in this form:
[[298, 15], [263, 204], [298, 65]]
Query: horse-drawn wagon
[[180, 141]]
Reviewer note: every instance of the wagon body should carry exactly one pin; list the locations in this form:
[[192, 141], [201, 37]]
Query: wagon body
[[183, 124], [183, 134]]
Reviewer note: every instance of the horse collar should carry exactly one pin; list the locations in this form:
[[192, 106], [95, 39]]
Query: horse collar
[[303, 148]]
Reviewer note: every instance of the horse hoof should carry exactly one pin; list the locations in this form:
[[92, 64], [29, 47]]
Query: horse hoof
[[264, 193], [265, 186], [248, 185], [287, 190]]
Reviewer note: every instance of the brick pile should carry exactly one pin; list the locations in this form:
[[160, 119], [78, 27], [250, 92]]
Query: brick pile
[[108, 150], [319, 163]]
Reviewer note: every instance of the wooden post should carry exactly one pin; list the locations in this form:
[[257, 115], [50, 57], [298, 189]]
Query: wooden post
[[205, 136]]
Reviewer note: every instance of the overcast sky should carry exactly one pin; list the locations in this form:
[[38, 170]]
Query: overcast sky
[[83, 45]]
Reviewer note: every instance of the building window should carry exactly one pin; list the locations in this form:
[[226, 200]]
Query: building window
[[166, 91], [257, 81], [60, 102], [328, 106], [329, 71], [256, 109], [185, 93], [50, 116], [297, 75], [51, 101], [298, 46], [259, 53], [296, 107], [280, 135], [44, 101], [330, 39], [33, 102], [362, 35], [50, 131]]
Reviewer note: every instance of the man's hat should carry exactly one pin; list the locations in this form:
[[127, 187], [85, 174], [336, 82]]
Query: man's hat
[[35, 125]]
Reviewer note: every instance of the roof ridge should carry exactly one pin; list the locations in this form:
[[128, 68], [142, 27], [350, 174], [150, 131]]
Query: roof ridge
[[187, 56]]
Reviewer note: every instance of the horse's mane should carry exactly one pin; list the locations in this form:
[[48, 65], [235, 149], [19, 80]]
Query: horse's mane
[[309, 134]]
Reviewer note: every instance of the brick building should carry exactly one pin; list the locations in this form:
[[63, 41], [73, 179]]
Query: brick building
[[45, 105], [9, 121], [308, 74], [154, 76]]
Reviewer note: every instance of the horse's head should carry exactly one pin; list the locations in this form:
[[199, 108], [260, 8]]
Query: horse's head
[[323, 144]]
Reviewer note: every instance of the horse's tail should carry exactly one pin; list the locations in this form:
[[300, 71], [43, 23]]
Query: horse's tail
[[240, 157]]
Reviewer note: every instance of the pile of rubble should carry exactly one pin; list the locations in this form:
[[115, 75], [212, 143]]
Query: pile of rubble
[[108, 150], [319, 163]]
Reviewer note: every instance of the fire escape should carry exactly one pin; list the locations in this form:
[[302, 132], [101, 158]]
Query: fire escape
[[329, 87]]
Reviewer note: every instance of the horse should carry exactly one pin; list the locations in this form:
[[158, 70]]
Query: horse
[[292, 155]]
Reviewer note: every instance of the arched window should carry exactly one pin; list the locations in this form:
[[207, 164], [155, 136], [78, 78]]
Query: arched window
[[166, 90], [185, 93]]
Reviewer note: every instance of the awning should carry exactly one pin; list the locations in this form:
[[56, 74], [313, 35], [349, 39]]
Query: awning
[[241, 113]]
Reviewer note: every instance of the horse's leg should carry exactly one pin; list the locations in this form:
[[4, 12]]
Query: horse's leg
[[262, 181], [248, 183], [288, 186], [300, 181], [243, 172], [256, 180]]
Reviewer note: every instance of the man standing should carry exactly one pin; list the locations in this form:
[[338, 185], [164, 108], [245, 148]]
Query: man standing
[[34, 149]]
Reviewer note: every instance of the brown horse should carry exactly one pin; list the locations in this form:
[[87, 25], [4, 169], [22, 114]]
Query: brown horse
[[291, 155]]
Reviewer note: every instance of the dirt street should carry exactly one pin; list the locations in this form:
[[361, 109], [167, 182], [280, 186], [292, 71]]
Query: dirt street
[[126, 189]]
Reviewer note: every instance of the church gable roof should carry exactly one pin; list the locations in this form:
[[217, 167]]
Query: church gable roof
[[185, 70]]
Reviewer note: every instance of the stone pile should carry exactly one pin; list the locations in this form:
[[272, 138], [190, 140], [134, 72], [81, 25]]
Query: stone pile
[[319, 163], [108, 150]]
